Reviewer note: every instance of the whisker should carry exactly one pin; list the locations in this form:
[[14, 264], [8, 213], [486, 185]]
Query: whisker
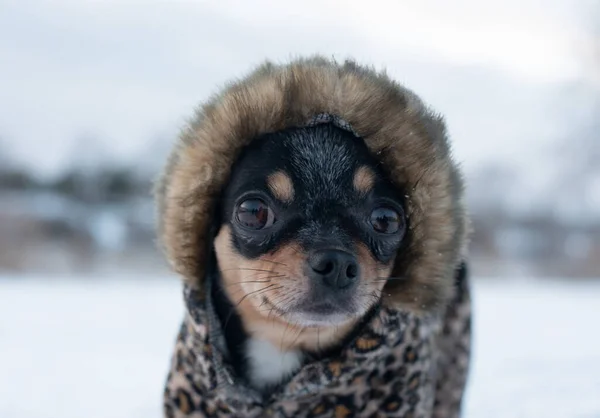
[[258, 292], [261, 280], [274, 262], [270, 313], [249, 281], [301, 330], [232, 311], [384, 279], [248, 269], [262, 260], [283, 336]]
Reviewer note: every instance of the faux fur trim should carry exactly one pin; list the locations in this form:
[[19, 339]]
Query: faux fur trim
[[397, 127]]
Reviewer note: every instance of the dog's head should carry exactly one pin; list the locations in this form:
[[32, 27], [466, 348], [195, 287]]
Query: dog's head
[[310, 227], [309, 221]]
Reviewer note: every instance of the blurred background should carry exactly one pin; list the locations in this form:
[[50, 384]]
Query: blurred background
[[93, 94]]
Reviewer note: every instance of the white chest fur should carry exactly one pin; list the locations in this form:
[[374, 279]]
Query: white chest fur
[[268, 365]]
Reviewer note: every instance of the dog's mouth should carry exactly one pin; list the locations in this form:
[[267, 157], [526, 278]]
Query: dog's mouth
[[311, 313]]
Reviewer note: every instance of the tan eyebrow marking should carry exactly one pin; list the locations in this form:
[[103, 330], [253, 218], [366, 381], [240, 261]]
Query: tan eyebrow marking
[[281, 186], [364, 179]]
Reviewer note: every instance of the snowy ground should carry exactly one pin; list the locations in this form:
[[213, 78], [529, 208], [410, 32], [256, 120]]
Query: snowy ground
[[98, 349]]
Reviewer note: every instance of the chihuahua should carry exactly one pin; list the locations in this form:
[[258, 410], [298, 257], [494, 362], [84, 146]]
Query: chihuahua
[[312, 225]]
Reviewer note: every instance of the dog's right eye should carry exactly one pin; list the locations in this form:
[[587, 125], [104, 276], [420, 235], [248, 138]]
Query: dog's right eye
[[255, 214]]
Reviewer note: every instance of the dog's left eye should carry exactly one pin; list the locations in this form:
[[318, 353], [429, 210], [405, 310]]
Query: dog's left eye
[[385, 220], [255, 214]]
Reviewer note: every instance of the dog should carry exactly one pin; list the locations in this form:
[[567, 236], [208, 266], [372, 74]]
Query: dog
[[313, 225], [316, 215]]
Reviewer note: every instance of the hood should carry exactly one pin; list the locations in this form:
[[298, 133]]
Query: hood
[[408, 138]]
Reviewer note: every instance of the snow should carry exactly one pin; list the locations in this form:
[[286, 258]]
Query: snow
[[101, 348], [536, 352]]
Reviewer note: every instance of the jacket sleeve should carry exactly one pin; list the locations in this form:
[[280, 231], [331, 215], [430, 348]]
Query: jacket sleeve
[[454, 349]]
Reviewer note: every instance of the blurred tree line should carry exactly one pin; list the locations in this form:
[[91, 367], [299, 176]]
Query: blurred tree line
[[109, 184]]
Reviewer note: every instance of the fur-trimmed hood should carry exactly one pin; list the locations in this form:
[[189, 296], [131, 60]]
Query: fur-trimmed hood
[[397, 127]]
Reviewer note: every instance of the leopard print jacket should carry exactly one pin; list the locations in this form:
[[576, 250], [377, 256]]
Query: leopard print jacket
[[398, 365]]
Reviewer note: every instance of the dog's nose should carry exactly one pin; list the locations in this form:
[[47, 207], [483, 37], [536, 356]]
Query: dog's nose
[[335, 268]]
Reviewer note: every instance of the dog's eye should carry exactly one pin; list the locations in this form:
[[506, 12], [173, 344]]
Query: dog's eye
[[255, 214], [385, 220]]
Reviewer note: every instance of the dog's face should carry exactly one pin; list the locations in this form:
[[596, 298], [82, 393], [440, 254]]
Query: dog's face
[[310, 227]]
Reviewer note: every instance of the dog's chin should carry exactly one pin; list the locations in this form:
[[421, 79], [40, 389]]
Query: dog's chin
[[324, 314], [319, 320]]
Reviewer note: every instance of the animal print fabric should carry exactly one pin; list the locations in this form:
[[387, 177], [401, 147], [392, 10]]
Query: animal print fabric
[[399, 365]]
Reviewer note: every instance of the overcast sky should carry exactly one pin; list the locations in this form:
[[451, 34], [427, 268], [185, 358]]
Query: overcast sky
[[129, 72]]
